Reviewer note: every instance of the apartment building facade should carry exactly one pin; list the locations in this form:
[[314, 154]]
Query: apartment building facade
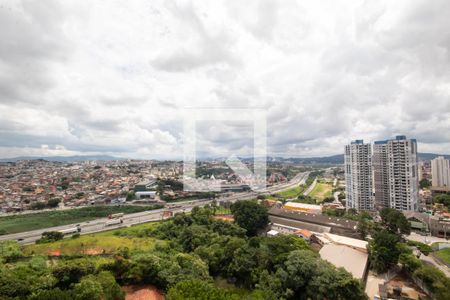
[[358, 176], [396, 178], [440, 172], [382, 175], [380, 165]]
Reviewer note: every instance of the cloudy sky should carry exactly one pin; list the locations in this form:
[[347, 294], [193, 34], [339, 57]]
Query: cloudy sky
[[117, 77]]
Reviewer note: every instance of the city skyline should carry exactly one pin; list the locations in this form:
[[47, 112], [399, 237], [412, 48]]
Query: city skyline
[[96, 78]]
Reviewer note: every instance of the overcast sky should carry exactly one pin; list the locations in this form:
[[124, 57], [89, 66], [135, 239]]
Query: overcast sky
[[114, 77]]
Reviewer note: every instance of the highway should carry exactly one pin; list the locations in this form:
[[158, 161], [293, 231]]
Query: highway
[[99, 225]]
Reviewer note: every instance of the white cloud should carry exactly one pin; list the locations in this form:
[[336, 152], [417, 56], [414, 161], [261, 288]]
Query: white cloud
[[113, 77]]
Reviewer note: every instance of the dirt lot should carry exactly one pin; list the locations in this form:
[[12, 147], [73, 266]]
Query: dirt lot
[[142, 292]]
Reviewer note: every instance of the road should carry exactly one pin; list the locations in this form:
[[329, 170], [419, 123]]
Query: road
[[99, 225], [430, 260], [426, 239], [310, 188]]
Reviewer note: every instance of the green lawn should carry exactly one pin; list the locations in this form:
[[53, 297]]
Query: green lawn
[[321, 191], [98, 243], [444, 254], [223, 211], [291, 193], [39, 220]]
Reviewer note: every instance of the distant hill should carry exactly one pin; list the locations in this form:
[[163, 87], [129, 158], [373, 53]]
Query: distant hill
[[339, 159], [62, 158], [430, 156], [332, 160]]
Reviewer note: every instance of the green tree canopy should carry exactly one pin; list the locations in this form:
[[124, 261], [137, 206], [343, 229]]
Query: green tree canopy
[[424, 183], [383, 250], [53, 202], [250, 216], [443, 199], [198, 290], [395, 221]]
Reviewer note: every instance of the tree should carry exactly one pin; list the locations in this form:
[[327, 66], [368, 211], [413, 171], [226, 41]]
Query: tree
[[19, 280], [53, 202], [227, 228], [53, 294], [305, 199], [395, 221], [131, 196], [334, 283], [9, 251], [202, 216], [70, 272], [88, 289], [50, 236], [328, 200], [111, 290], [409, 262], [383, 251], [425, 183], [145, 269], [198, 290], [363, 228], [242, 265], [305, 276], [37, 205], [250, 216], [194, 236], [435, 280], [182, 267], [443, 199]]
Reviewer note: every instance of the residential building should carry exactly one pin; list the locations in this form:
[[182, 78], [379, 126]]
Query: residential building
[[380, 164], [396, 178], [440, 169], [403, 175], [358, 176]]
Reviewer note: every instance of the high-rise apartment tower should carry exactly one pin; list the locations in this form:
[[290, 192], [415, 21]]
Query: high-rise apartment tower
[[358, 175], [440, 172], [396, 178]]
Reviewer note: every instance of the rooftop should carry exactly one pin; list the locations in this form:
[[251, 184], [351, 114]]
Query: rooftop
[[314, 218], [352, 260]]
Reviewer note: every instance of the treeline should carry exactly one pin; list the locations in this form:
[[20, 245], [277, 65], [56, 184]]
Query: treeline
[[192, 252], [313, 176], [388, 249]]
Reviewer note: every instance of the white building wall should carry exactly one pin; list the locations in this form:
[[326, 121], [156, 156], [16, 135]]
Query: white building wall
[[440, 172], [358, 176], [403, 174]]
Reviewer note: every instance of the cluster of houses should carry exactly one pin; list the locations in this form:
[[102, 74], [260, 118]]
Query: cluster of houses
[[24, 183]]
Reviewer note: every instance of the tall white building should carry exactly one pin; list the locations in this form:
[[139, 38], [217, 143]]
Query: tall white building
[[358, 175], [380, 166], [396, 178], [440, 172]]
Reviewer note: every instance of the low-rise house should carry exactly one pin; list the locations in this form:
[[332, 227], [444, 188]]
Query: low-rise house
[[304, 234]]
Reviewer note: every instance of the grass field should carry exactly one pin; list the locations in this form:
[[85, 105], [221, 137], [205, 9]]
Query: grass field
[[291, 193], [223, 211], [444, 254], [21, 223], [100, 243], [321, 191]]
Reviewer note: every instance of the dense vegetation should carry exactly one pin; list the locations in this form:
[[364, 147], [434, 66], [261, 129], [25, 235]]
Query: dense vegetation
[[27, 222], [443, 199], [388, 249], [198, 250]]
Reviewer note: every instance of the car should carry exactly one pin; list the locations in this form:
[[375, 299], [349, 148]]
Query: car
[[20, 239]]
